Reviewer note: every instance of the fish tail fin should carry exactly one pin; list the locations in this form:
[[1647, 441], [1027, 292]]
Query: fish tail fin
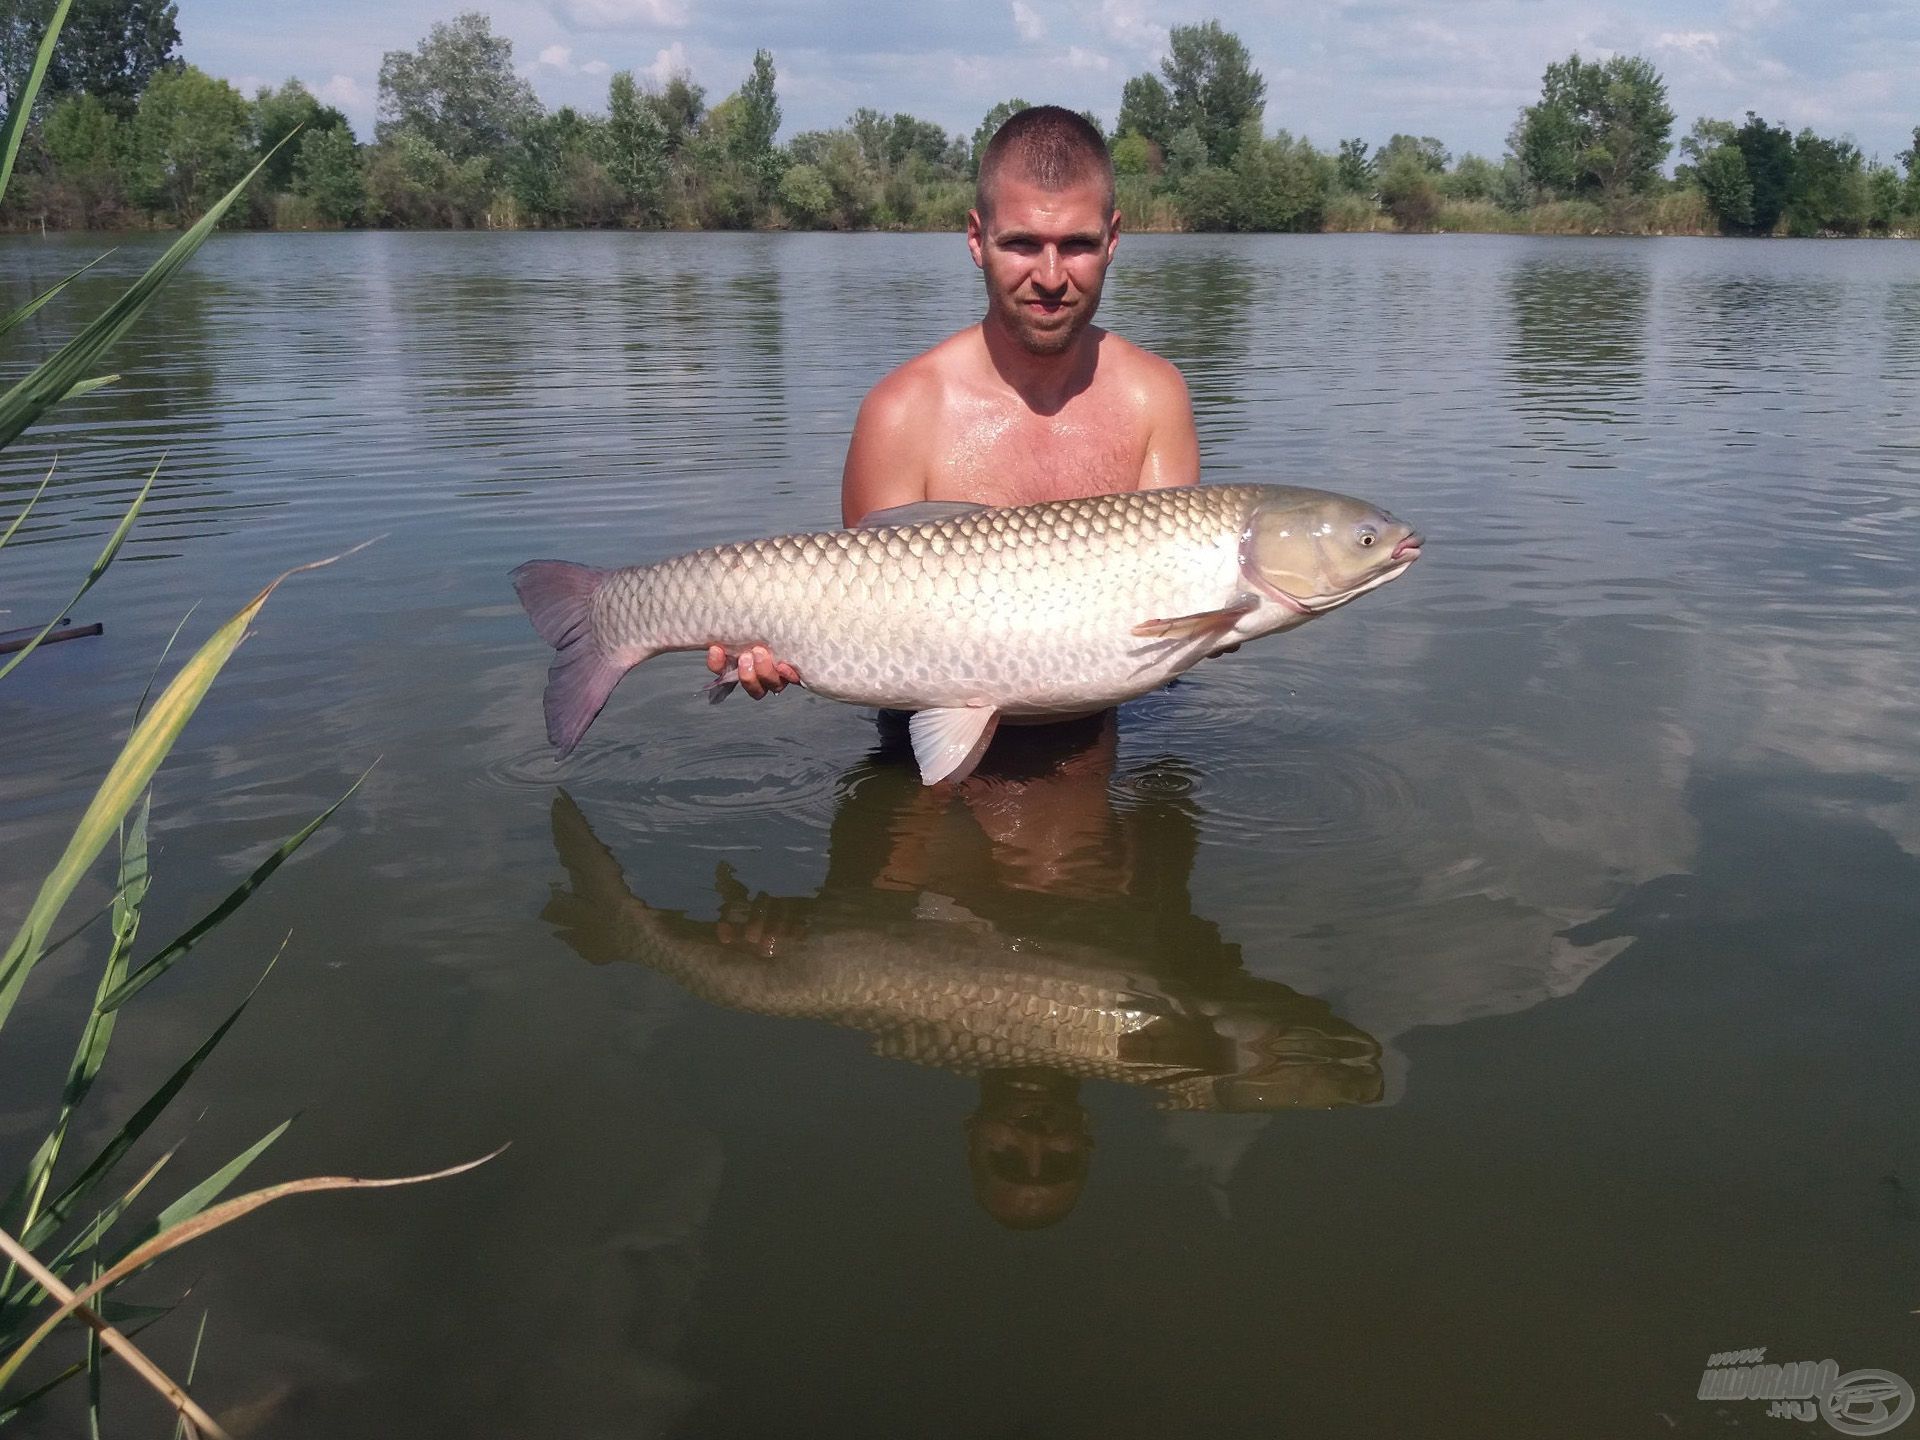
[[559, 601]]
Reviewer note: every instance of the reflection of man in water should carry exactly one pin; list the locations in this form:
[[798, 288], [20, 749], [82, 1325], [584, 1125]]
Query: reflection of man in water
[[1028, 1147], [1020, 927], [1035, 402]]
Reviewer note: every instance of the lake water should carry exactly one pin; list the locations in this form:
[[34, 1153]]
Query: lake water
[[1524, 957]]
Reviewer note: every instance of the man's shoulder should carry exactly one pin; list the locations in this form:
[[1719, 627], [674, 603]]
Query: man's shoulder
[[909, 388], [1148, 377]]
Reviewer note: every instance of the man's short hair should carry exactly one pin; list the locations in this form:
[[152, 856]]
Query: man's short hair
[[1051, 146]]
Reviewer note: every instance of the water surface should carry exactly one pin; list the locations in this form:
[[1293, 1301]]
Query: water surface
[[1521, 961]]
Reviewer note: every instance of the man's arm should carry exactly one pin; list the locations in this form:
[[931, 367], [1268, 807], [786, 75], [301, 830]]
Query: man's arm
[[1173, 447], [885, 465]]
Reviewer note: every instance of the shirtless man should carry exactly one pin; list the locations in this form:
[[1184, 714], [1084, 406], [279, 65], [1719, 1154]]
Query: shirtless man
[[1035, 402]]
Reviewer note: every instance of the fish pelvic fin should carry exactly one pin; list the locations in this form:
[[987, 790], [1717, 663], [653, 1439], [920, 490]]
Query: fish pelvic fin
[[1206, 622], [558, 598], [949, 743]]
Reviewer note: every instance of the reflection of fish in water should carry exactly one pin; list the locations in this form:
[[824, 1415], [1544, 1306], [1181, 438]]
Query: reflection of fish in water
[[940, 987], [1033, 610]]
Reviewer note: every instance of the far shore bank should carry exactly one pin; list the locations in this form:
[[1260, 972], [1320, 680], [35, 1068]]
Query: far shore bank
[[1519, 226]]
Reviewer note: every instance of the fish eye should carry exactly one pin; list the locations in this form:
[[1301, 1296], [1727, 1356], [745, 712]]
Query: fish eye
[[1367, 534]]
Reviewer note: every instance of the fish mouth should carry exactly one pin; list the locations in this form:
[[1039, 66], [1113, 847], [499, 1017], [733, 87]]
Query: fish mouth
[[1405, 553]]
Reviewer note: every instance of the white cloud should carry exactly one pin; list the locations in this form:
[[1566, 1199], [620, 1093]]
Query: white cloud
[[560, 57], [596, 67], [1699, 43], [1087, 59], [1125, 22], [668, 63], [343, 91], [1027, 21], [622, 14]]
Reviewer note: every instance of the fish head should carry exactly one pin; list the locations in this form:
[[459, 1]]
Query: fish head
[[1313, 550]]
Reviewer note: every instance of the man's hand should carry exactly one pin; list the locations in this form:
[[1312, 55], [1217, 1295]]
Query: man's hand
[[760, 674]]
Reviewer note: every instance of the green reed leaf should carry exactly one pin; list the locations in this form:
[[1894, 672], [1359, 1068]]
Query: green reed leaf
[[91, 1052], [22, 107], [152, 738], [114, 542], [56, 377], [176, 949], [44, 296], [58, 1211], [32, 499]]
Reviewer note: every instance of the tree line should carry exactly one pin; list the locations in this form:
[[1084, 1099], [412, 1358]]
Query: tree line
[[128, 134]]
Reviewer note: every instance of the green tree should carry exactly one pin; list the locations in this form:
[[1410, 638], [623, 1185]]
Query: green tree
[[751, 136], [1422, 150], [1829, 189], [1475, 178], [329, 173], [1768, 153], [984, 131], [1354, 170], [1212, 86], [1273, 184], [679, 105], [1186, 153], [190, 142], [1706, 136], [1410, 191], [83, 137], [637, 148], [1135, 154], [109, 49], [87, 144], [1910, 159], [457, 90], [1146, 110], [1722, 176], [276, 115], [805, 195], [1883, 196], [1601, 128], [412, 181]]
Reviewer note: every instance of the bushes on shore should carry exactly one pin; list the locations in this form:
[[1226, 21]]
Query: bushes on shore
[[462, 141]]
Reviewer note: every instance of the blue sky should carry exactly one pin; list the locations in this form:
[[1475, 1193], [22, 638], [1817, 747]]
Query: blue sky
[[1458, 70]]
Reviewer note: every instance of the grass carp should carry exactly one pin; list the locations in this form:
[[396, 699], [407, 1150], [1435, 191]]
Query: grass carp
[[967, 614]]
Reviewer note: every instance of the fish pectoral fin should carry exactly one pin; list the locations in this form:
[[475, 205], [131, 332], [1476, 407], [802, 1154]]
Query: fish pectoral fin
[[1206, 622], [949, 743], [920, 512]]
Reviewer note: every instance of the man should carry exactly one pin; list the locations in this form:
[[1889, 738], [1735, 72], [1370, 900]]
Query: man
[[1035, 402]]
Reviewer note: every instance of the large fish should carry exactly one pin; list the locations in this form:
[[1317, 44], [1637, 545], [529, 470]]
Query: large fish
[[966, 614]]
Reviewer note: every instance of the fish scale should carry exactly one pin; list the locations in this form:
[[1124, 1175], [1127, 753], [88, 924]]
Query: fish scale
[[1034, 610]]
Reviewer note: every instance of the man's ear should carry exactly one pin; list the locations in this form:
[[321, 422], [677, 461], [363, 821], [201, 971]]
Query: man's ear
[[1113, 233], [976, 237]]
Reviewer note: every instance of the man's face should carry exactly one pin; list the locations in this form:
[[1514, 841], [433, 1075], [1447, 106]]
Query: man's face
[[1045, 254]]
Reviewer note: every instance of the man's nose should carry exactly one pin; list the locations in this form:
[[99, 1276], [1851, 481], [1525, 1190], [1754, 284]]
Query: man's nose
[[1052, 270]]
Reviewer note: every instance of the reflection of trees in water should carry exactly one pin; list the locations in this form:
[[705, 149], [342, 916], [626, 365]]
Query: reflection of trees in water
[[1019, 929], [1579, 339], [1902, 329], [168, 400], [1201, 318]]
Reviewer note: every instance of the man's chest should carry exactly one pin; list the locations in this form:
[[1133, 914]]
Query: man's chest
[[1002, 456]]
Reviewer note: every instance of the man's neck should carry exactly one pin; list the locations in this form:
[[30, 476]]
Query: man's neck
[[1044, 382]]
